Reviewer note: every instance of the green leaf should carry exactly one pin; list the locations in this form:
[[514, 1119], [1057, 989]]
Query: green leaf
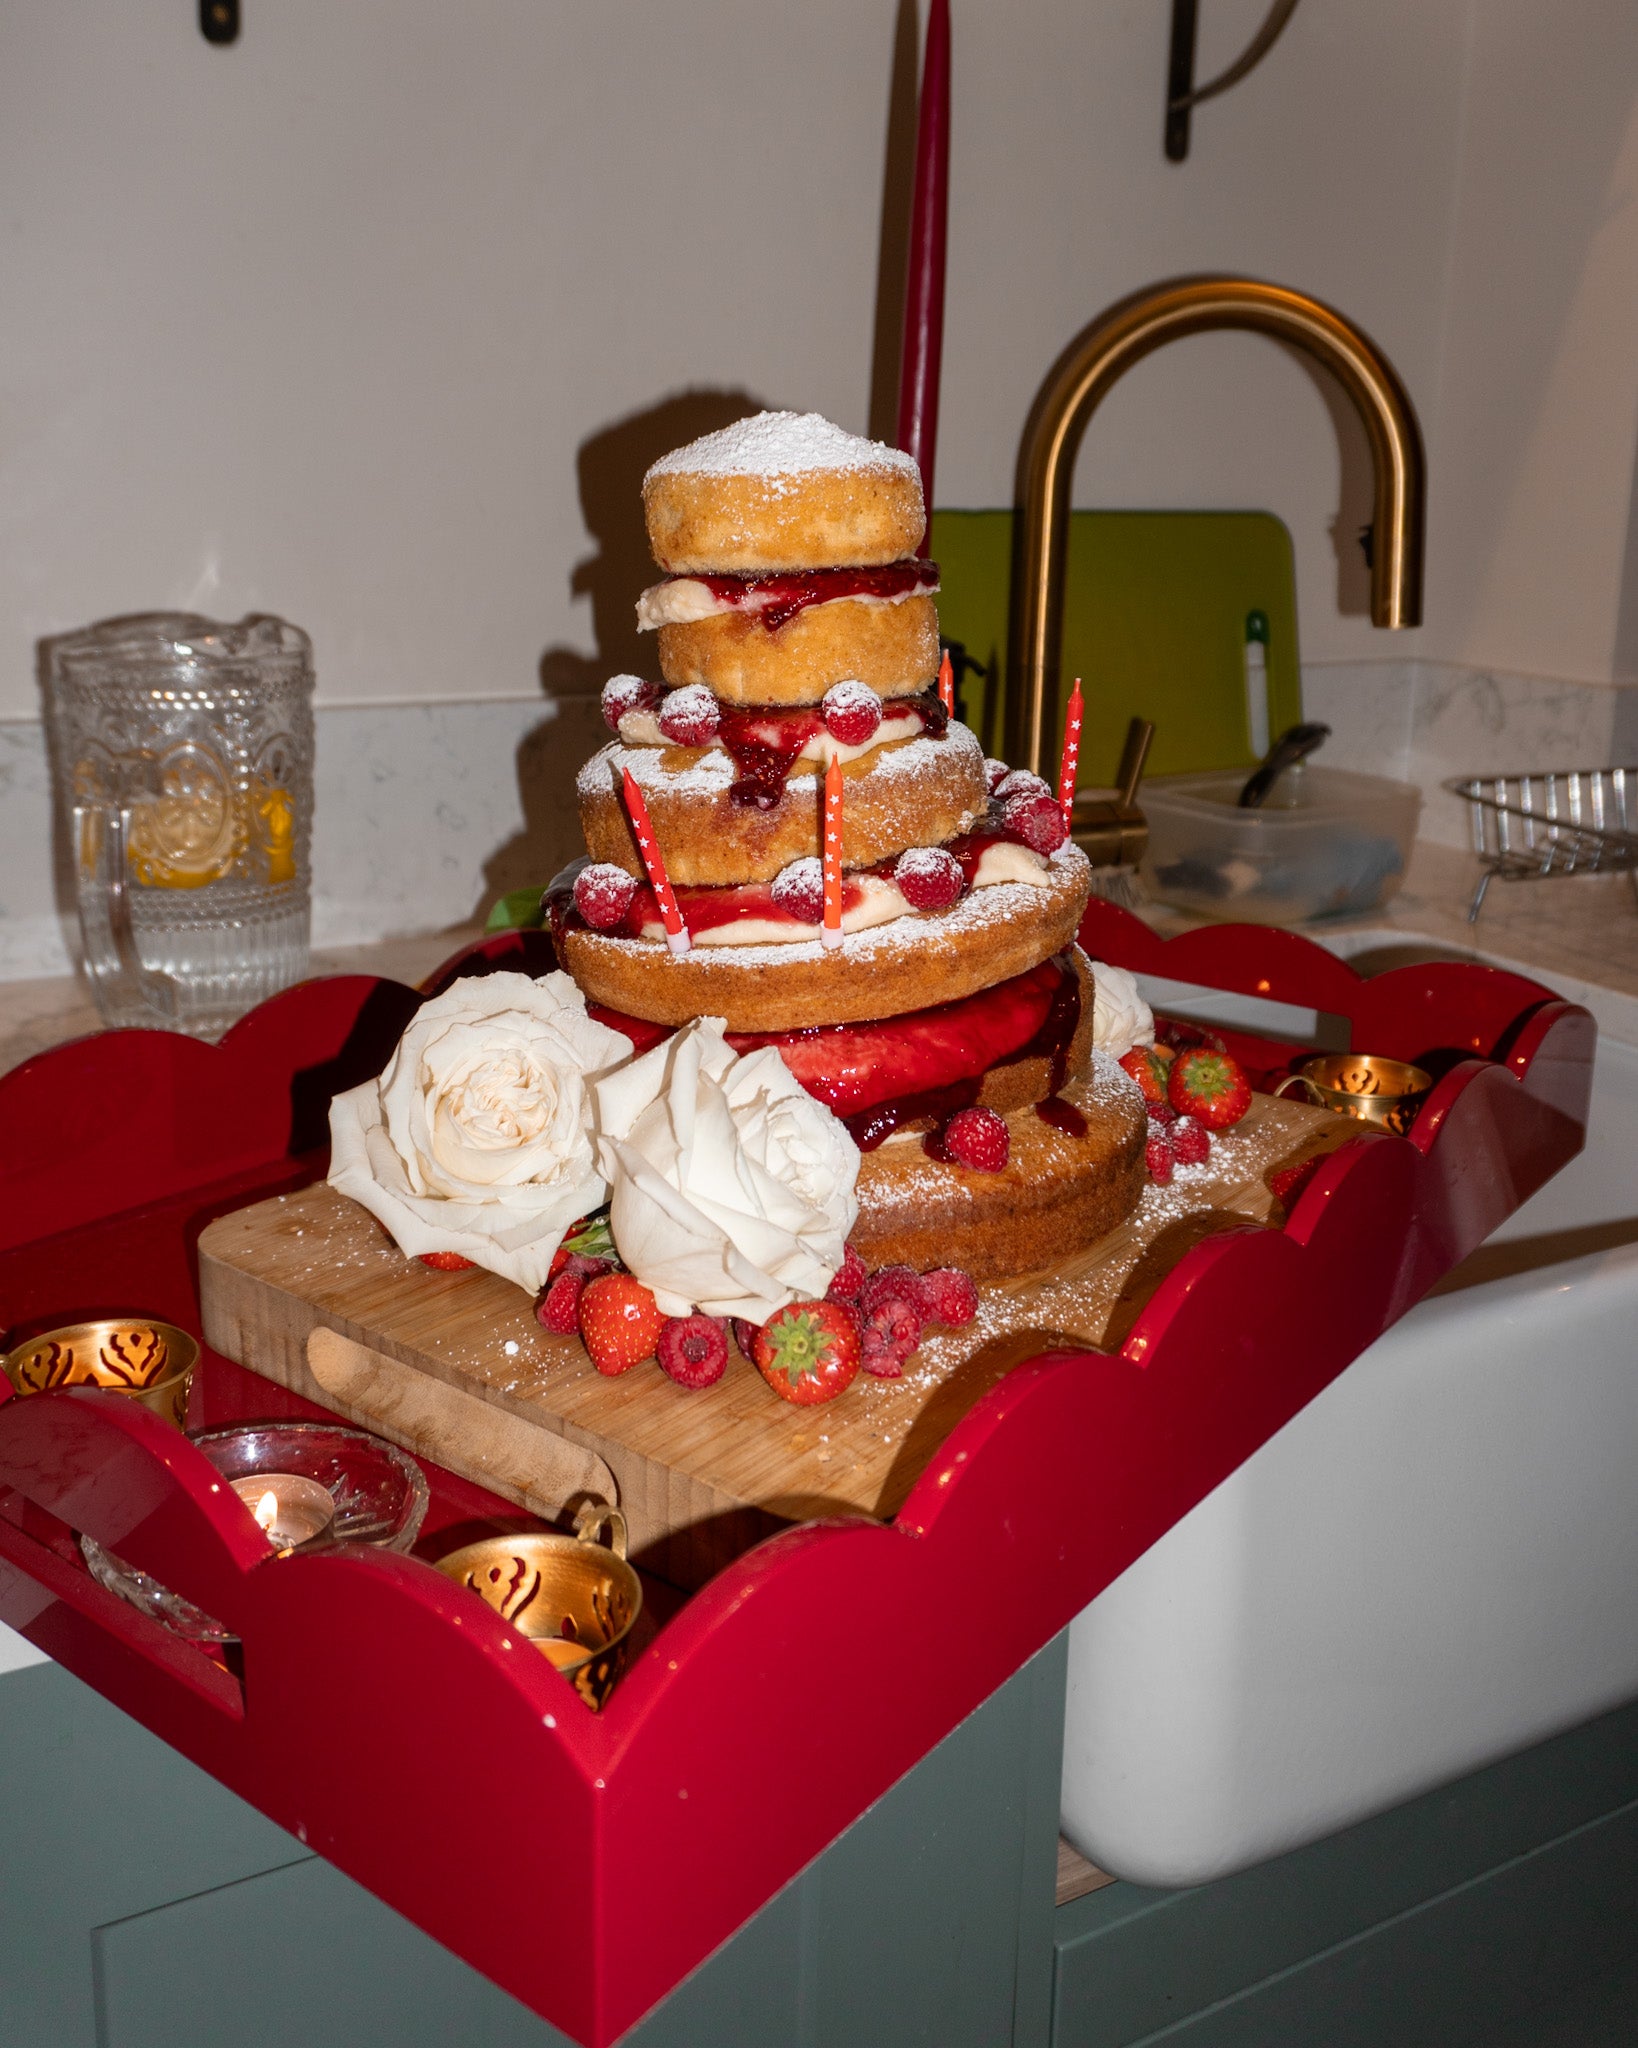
[[518, 911]]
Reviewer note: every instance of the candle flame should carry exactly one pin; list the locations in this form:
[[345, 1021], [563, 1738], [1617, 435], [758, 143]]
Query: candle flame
[[267, 1510]]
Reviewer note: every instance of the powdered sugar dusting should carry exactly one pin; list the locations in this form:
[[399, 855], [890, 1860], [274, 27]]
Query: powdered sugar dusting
[[712, 774], [780, 444]]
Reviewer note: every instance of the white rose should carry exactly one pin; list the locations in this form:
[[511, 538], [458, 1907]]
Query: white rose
[[1120, 1016], [477, 1137], [731, 1188]]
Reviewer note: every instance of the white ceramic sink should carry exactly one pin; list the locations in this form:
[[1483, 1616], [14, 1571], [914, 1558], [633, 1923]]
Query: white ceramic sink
[[1433, 1565]]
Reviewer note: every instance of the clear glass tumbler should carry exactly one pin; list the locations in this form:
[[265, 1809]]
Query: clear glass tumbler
[[183, 757]]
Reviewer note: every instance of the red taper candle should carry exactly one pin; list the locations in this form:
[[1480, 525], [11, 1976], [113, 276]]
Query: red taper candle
[[676, 932], [831, 934], [1072, 754], [921, 351], [946, 684]]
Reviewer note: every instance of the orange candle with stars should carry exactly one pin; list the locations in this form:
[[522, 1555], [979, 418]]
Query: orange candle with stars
[[1072, 754], [946, 684], [831, 933], [676, 932]]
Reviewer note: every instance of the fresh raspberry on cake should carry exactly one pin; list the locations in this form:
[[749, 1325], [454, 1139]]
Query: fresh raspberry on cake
[[799, 890], [995, 773], [624, 694], [851, 711], [603, 894], [1034, 817], [1019, 782], [691, 716], [977, 1138], [928, 878]]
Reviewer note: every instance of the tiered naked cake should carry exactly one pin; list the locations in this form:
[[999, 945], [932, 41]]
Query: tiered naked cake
[[949, 1021]]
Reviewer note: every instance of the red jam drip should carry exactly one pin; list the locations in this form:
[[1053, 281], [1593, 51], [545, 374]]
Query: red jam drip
[[1062, 1116], [779, 599], [764, 740], [880, 1076]]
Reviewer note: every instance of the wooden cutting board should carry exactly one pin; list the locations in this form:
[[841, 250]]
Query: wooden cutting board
[[308, 1290]]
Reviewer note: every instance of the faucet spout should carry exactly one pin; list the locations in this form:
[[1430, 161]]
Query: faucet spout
[[1093, 364]]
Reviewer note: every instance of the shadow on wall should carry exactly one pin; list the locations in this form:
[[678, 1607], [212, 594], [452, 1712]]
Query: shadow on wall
[[611, 466]]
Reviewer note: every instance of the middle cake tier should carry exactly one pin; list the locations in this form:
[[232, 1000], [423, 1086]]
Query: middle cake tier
[[915, 792]]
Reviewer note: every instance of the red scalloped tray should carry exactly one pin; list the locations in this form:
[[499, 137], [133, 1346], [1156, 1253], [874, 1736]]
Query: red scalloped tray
[[359, 1667]]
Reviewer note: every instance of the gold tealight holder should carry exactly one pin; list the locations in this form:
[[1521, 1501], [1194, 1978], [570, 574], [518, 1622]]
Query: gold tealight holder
[[134, 1355], [574, 1599], [1365, 1085]]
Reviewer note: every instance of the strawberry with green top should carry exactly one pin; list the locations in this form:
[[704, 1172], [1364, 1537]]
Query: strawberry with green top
[[1209, 1086], [809, 1351], [1149, 1066], [588, 1238], [620, 1322]]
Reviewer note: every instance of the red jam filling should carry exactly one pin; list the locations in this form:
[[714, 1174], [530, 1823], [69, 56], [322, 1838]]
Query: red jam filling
[[765, 740], [882, 1075], [779, 599]]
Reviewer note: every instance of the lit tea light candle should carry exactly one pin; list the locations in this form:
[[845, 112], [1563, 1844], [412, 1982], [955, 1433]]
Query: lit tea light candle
[[288, 1509], [1070, 765], [831, 931]]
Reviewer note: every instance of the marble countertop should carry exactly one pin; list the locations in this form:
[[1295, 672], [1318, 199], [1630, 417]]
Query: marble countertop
[[1578, 935]]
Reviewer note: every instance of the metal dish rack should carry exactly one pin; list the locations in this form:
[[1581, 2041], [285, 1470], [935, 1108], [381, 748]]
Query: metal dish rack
[[1570, 821]]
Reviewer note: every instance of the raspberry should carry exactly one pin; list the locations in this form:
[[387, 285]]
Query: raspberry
[[977, 1138], [625, 694], [929, 878], [603, 894], [689, 717], [799, 890], [891, 1333], [1034, 817], [1020, 782], [745, 1336], [1162, 1113], [1157, 1156], [1190, 1141], [446, 1262], [949, 1297], [558, 1309], [851, 711], [995, 773], [693, 1350], [849, 1279], [892, 1283]]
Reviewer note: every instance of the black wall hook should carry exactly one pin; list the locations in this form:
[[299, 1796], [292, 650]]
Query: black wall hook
[[219, 20], [1182, 94]]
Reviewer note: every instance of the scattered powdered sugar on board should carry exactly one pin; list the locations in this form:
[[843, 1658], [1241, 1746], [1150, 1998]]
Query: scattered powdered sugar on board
[[780, 444]]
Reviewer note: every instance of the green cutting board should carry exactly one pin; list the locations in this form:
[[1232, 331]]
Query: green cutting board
[[1155, 610]]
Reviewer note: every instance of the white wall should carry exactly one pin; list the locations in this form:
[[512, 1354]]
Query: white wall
[[344, 322]]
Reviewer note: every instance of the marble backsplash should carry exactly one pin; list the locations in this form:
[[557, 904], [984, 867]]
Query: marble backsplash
[[427, 812]]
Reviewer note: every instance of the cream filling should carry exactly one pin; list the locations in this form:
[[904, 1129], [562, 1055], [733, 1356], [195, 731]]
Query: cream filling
[[685, 600], [642, 729], [880, 901]]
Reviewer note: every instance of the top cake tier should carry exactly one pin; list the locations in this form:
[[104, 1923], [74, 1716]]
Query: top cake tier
[[783, 491]]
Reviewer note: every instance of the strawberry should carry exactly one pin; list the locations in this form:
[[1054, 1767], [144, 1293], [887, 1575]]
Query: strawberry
[[850, 1277], [693, 1350], [1190, 1142], [587, 1247], [1157, 1156], [851, 711], [603, 893], [1149, 1066], [691, 716], [799, 890], [1286, 1183], [446, 1262], [977, 1138], [619, 1322], [948, 1296], [558, 1309], [1209, 1086], [1034, 817], [809, 1351], [929, 878], [891, 1332], [745, 1337], [623, 694]]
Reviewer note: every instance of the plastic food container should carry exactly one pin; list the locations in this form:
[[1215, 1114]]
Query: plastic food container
[[1326, 843]]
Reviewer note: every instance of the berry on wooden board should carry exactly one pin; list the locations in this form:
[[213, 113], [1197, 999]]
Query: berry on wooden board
[[892, 1330], [948, 1296], [1157, 1156], [1209, 1086], [558, 1309], [1149, 1066], [1190, 1141], [619, 1322], [809, 1351], [446, 1262], [850, 1277], [693, 1350]]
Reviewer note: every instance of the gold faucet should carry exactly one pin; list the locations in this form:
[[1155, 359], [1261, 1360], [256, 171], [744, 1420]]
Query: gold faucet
[[1087, 371]]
